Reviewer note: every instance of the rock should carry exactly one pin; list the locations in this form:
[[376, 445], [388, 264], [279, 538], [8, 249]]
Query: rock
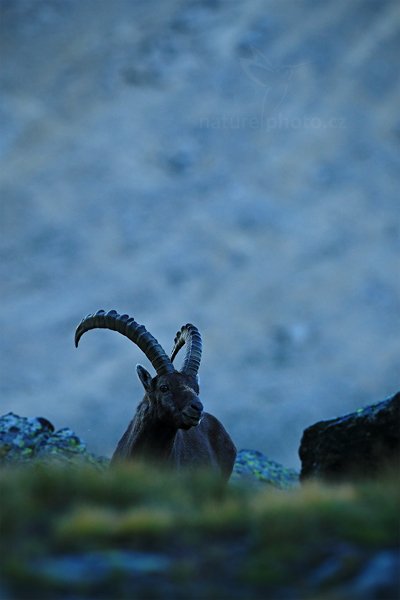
[[358, 573], [360, 444], [99, 566], [25, 439], [379, 577], [254, 466]]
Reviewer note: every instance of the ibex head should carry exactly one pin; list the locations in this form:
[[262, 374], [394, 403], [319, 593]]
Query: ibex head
[[172, 395]]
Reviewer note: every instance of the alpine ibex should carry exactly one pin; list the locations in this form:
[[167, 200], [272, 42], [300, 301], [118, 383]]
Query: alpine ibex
[[169, 425]]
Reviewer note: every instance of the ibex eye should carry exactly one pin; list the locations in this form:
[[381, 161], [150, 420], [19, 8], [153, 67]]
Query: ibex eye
[[164, 388]]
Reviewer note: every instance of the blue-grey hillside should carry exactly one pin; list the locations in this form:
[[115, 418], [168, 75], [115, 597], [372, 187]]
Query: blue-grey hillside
[[231, 164]]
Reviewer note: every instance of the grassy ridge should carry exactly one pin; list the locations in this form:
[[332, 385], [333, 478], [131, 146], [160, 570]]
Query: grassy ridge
[[216, 541]]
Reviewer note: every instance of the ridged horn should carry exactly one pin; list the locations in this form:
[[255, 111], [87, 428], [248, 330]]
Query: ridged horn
[[189, 335], [128, 327]]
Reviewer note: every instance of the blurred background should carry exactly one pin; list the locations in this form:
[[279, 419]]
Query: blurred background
[[233, 164]]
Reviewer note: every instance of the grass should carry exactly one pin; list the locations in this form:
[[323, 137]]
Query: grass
[[234, 540]]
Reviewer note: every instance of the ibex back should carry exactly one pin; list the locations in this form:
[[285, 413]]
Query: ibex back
[[169, 426]]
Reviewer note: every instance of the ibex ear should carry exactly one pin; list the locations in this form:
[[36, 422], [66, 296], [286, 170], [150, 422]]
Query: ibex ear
[[144, 377]]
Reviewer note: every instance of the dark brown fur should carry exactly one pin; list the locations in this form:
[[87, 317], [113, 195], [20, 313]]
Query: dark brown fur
[[160, 432]]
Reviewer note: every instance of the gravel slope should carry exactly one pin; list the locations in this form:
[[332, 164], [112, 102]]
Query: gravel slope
[[227, 163]]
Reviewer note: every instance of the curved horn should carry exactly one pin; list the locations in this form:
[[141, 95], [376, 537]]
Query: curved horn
[[190, 335], [130, 329]]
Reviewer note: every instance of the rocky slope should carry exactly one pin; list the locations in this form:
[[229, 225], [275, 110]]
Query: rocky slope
[[227, 163]]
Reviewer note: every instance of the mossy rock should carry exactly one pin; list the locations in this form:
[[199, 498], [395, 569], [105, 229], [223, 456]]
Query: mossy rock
[[23, 440], [254, 466]]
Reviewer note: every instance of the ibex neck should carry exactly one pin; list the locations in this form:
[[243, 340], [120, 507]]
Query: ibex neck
[[154, 440]]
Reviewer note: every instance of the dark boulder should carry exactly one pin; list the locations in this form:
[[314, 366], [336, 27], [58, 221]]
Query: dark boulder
[[361, 444]]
